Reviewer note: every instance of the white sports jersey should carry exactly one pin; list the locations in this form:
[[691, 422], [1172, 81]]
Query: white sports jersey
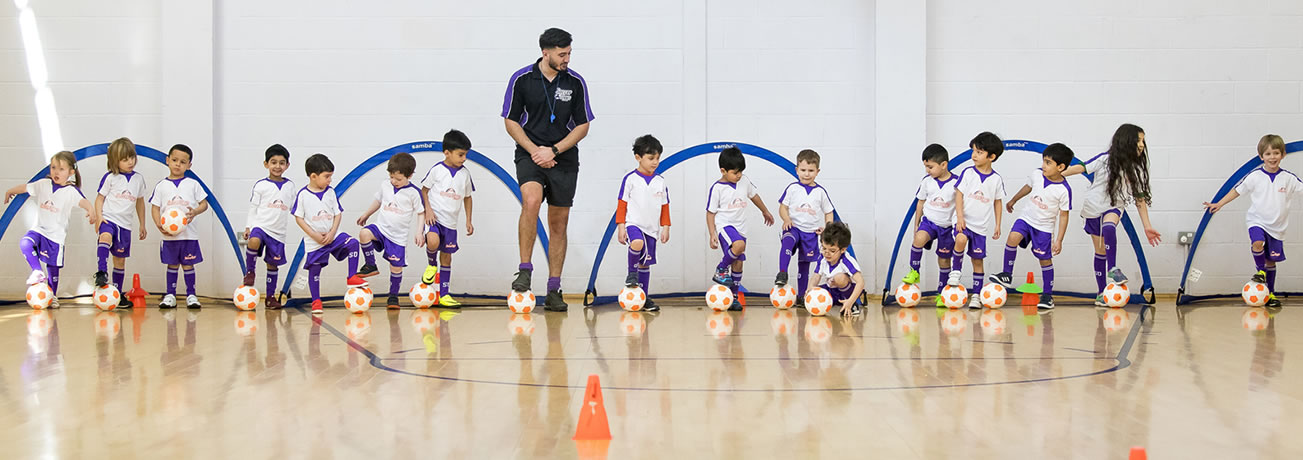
[[120, 193], [183, 194], [729, 202], [54, 204], [644, 196], [399, 206], [318, 209], [449, 187], [1097, 200], [1045, 202], [1270, 196], [269, 207], [806, 205], [938, 199], [847, 265], [980, 194]]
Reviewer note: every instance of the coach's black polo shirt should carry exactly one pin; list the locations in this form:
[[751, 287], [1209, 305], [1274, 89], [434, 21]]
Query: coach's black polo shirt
[[548, 110]]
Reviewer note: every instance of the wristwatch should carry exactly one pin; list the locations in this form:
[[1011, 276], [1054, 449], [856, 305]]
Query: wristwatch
[[555, 151]]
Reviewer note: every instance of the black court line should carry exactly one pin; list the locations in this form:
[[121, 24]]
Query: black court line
[[1123, 362]]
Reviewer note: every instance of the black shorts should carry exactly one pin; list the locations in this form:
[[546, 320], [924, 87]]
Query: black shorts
[[559, 182]]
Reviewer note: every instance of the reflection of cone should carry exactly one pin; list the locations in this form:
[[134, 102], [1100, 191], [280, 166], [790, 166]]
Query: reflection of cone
[[592, 417], [592, 450], [1138, 453]]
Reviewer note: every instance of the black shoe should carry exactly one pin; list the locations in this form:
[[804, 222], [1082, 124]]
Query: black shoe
[[781, 279], [392, 302], [736, 306], [1273, 302], [632, 280], [554, 301], [101, 279], [722, 277], [250, 277], [800, 302], [651, 306], [522, 282], [124, 302], [1260, 277], [1004, 279], [367, 270]]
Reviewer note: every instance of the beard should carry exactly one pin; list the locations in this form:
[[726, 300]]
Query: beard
[[556, 66]]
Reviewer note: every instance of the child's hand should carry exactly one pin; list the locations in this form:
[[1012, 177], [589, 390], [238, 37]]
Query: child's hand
[[190, 215], [143, 231], [819, 231], [1057, 247], [429, 218], [1153, 236], [93, 220], [162, 230], [846, 307], [769, 220], [361, 220], [322, 239], [420, 240], [246, 234], [665, 234], [1212, 207], [787, 224], [622, 235], [714, 243], [9, 196], [470, 228], [996, 236], [1008, 207]]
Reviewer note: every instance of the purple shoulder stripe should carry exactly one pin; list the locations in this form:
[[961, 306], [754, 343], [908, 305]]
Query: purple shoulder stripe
[[511, 87], [588, 106]]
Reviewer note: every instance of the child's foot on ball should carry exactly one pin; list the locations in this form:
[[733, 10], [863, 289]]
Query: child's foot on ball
[[911, 277], [368, 271], [781, 279], [101, 279], [955, 279], [249, 277], [631, 280], [1259, 277], [1115, 275], [431, 272], [723, 277], [356, 281], [38, 277]]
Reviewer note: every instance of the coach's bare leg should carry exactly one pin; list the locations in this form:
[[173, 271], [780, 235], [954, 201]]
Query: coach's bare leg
[[558, 218], [531, 198]]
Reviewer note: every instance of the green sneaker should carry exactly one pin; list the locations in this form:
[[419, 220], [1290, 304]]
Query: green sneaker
[[911, 277], [431, 272], [1260, 277], [940, 301], [449, 302]]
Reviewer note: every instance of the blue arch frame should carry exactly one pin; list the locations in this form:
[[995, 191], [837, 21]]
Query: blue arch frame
[[1035, 147], [590, 295], [1181, 297], [412, 147], [143, 151]]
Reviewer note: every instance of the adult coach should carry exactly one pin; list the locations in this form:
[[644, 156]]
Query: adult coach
[[546, 112]]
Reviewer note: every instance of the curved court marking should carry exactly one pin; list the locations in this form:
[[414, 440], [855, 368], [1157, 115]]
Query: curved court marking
[[1122, 359]]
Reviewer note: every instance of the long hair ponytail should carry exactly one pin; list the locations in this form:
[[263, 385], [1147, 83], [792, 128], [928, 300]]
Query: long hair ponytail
[[68, 157], [1128, 167]]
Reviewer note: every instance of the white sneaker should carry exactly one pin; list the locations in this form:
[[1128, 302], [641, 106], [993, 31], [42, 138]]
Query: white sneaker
[[169, 301], [955, 278], [37, 277], [192, 301], [974, 302], [54, 303]]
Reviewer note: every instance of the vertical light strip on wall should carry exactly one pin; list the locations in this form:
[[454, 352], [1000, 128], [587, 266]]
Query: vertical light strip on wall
[[46, 115]]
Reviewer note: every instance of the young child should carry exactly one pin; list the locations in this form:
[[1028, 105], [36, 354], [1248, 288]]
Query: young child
[[54, 196], [268, 223], [402, 204], [1051, 199], [837, 271], [643, 214], [1270, 195], [1121, 177], [447, 187], [979, 208], [121, 192], [180, 250], [805, 208], [726, 206], [317, 211], [934, 215]]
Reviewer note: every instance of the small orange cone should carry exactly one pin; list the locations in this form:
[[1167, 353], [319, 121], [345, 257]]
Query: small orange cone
[[136, 295], [1138, 453], [1031, 298], [592, 416]]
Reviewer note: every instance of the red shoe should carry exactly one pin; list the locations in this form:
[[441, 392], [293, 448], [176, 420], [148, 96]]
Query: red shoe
[[356, 281], [742, 299], [316, 307]]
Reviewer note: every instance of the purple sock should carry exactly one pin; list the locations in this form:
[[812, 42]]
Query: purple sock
[[272, 276], [119, 275], [445, 279], [1010, 255], [802, 278], [52, 278], [957, 262], [1109, 231], [785, 247], [1260, 260], [526, 267], [915, 258], [1101, 266], [395, 283], [171, 280], [553, 283], [1047, 275], [250, 256], [28, 248], [352, 246], [432, 258], [644, 278], [190, 281], [102, 251], [369, 253], [727, 260], [634, 258], [1271, 279], [737, 281], [945, 276], [978, 278], [314, 281]]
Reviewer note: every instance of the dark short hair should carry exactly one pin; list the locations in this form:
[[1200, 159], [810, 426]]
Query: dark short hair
[[402, 163], [808, 156], [988, 142], [836, 234], [183, 148], [731, 159], [554, 38], [317, 164], [936, 154], [1060, 153], [276, 150], [455, 140], [647, 144]]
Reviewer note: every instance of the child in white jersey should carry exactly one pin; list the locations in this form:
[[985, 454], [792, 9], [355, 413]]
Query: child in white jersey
[[934, 216], [121, 192], [401, 205], [726, 206], [979, 208], [447, 188], [1043, 222], [54, 196], [180, 250], [805, 208], [642, 214], [837, 271], [268, 223], [1271, 190], [317, 211]]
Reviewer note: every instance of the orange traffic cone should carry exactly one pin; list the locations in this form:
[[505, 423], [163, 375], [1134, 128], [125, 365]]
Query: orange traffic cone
[[136, 295], [592, 417], [1138, 453]]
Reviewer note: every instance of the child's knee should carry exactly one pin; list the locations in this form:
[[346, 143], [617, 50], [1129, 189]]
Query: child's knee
[[431, 241], [636, 245], [921, 239], [106, 238], [365, 235], [254, 243], [738, 247], [187, 267], [1258, 245], [1046, 262], [961, 242], [397, 270], [840, 281]]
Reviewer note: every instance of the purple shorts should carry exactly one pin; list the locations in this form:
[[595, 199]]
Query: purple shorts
[[1039, 241], [1273, 248], [727, 236], [394, 252], [648, 245], [1094, 225], [272, 250], [342, 248], [447, 238], [180, 252], [121, 243], [944, 237], [976, 244], [807, 244], [840, 295], [47, 251]]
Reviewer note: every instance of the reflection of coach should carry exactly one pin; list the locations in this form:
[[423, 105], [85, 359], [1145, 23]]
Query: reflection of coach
[[546, 112]]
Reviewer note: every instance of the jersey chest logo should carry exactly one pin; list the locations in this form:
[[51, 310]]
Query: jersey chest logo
[[49, 206], [563, 95]]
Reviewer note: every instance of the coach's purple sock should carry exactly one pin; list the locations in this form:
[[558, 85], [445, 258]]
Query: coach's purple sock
[[352, 248], [272, 275], [28, 247], [978, 279], [644, 279], [915, 258], [52, 278], [1260, 260], [526, 267], [190, 281], [250, 257], [1109, 231], [1010, 255], [785, 247], [395, 282], [553, 283], [314, 281], [118, 276], [171, 280], [1047, 275], [102, 251], [369, 253], [1101, 266], [1271, 279], [802, 278], [445, 279]]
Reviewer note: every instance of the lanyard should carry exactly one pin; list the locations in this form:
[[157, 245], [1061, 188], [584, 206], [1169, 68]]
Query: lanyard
[[549, 97]]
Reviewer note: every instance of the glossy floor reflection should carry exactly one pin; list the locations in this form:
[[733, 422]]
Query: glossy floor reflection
[[1208, 381]]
